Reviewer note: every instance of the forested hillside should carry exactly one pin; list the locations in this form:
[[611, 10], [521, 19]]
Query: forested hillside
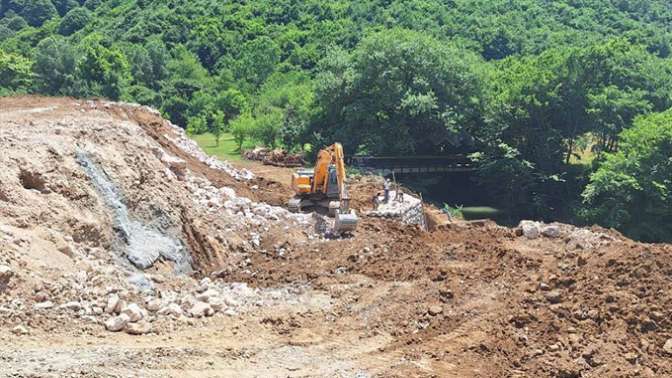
[[542, 94]]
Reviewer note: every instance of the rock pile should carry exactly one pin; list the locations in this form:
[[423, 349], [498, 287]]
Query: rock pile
[[575, 237], [276, 157]]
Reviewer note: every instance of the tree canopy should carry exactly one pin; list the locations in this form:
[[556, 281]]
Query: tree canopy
[[540, 94]]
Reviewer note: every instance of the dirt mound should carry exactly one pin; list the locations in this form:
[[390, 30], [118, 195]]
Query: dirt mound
[[101, 205]]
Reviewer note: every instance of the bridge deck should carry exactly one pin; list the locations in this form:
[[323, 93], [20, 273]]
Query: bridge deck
[[413, 164]]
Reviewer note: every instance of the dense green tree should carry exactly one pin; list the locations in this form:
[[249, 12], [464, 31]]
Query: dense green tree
[[55, 65], [65, 6], [632, 189], [103, 70], [73, 21], [529, 87], [241, 128], [257, 61], [13, 21], [35, 12], [399, 92], [15, 73]]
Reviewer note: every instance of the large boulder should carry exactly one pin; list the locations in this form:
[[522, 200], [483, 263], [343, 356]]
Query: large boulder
[[531, 229], [200, 310], [117, 323], [134, 312]]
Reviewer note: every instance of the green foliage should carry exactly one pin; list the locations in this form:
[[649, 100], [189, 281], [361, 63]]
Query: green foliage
[[526, 86], [65, 6], [267, 127], [35, 12], [241, 128], [73, 21], [454, 212], [257, 61], [632, 189], [399, 92], [15, 73], [54, 68], [103, 70]]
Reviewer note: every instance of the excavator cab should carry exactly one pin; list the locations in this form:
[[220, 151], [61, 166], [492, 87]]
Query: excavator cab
[[324, 187]]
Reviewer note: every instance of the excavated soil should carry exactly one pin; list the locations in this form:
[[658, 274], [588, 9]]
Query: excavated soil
[[467, 299]]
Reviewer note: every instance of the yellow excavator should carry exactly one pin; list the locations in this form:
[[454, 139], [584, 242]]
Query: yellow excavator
[[324, 187]]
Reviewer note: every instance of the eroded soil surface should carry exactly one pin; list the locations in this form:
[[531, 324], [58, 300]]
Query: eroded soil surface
[[268, 296]]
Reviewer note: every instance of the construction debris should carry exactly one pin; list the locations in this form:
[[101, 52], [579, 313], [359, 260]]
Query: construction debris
[[275, 157], [266, 293]]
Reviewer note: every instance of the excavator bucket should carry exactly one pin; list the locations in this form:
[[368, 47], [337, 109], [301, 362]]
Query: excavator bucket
[[346, 222]]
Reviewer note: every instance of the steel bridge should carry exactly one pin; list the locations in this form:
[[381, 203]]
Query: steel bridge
[[386, 165]]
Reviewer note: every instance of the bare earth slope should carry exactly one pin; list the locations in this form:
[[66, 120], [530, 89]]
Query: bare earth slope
[[110, 215]]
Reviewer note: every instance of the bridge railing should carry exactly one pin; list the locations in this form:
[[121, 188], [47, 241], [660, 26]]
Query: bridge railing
[[413, 164]]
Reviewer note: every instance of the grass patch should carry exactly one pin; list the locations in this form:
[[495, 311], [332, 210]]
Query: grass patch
[[480, 212], [227, 149]]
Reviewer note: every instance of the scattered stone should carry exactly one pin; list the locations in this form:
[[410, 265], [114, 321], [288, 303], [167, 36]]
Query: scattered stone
[[139, 328], [153, 305], [41, 296], [551, 231], [668, 346], [43, 305], [113, 304], [230, 312], [6, 273], [631, 357], [435, 310], [553, 296], [201, 309], [73, 306], [553, 348], [217, 303], [207, 295], [117, 323], [20, 330], [203, 285], [446, 294], [133, 312], [171, 309], [175, 164]]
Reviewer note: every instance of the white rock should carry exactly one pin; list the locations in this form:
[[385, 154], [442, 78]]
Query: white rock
[[20, 330], [74, 306], [201, 309], [139, 328], [117, 323], [217, 303], [667, 347], [206, 295], [153, 304], [133, 312], [172, 309], [530, 229], [188, 301], [551, 231], [231, 302], [43, 305], [230, 312], [177, 165], [112, 304]]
